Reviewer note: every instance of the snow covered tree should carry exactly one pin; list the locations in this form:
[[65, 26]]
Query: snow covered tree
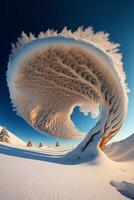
[[57, 144], [4, 136], [29, 144], [40, 144]]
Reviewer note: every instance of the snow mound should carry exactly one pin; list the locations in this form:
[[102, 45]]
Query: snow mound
[[122, 150], [13, 139]]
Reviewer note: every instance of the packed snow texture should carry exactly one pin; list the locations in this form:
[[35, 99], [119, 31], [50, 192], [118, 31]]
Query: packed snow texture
[[50, 74], [33, 175]]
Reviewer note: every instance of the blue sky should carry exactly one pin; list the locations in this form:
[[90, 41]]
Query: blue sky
[[114, 17]]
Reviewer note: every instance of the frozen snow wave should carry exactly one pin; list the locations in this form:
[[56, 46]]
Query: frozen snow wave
[[50, 74]]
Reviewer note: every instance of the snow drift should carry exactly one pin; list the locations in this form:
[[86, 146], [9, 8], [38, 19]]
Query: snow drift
[[39, 176], [122, 150]]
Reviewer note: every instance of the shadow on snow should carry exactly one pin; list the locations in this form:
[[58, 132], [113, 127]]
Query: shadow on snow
[[28, 154], [125, 188]]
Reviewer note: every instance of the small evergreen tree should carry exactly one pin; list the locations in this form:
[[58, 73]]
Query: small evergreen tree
[[29, 144], [40, 144], [57, 144], [4, 135]]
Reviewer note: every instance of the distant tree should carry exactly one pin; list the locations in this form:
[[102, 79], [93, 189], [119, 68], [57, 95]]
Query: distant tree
[[29, 144], [40, 144], [57, 144], [4, 135]]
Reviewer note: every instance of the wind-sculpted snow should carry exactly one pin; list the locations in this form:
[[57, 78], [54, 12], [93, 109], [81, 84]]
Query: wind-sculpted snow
[[50, 74]]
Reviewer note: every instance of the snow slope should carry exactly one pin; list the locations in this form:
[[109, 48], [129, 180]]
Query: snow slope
[[17, 142], [122, 150], [44, 174], [14, 140], [35, 176]]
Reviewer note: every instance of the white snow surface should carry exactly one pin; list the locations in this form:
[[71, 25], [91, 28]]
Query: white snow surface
[[43, 174], [14, 140], [122, 150]]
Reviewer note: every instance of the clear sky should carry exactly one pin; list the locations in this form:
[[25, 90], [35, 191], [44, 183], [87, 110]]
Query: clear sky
[[114, 17]]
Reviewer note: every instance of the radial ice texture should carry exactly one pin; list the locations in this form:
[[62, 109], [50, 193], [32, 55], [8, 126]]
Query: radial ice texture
[[50, 74]]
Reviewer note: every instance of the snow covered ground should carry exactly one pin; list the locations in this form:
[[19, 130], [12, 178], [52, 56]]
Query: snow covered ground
[[14, 140], [28, 174], [18, 143], [122, 150]]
